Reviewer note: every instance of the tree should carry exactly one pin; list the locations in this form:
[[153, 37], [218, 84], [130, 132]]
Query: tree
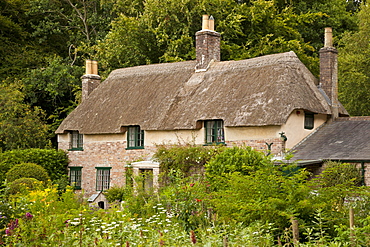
[[55, 89], [354, 67], [21, 126]]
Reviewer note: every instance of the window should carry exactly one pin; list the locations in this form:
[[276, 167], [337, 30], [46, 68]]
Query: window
[[102, 178], [308, 120], [135, 138], [76, 141], [214, 131], [75, 177]]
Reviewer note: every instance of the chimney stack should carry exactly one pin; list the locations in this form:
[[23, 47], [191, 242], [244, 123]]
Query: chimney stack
[[329, 72], [91, 79], [207, 44]]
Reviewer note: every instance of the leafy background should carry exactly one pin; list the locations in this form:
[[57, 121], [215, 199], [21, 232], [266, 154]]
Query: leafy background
[[44, 44]]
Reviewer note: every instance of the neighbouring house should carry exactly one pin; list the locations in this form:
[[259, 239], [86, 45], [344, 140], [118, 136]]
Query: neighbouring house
[[270, 102], [347, 139]]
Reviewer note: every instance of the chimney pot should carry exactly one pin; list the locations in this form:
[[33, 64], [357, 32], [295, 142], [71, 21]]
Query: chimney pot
[[94, 66], [205, 22], [88, 70], [328, 37], [211, 23]]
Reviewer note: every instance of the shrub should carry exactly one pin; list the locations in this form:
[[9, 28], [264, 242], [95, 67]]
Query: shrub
[[336, 173], [117, 193], [27, 170], [186, 158], [22, 185], [240, 160], [54, 161]]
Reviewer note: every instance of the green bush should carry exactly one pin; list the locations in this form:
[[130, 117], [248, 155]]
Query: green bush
[[336, 173], [240, 160], [186, 158], [21, 185], [117, 193], [54, 161], [27, 170]]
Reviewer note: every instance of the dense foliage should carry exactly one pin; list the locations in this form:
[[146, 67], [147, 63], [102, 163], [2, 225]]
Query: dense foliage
[[27, 170], [253, 208], [45, 43], [55, 162]]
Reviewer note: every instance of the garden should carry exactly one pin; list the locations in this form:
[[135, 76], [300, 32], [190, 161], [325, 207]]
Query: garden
[[208, 196]]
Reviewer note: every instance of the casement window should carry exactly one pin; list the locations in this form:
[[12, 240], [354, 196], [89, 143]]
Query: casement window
[[135, 138], [75, 174], [214, 132], [102, 178], [76, 141], [309, 120]]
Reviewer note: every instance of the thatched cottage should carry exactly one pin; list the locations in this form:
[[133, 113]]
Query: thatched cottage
[[270, 102]]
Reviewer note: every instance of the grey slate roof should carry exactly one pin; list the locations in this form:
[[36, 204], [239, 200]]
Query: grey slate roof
[[253, 92], [345, 139]]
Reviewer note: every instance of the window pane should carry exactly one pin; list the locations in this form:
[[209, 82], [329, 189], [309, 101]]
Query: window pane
[[75, 177], [309, 120], [135, 137], [76, 140], [214, 131], [102, 179]]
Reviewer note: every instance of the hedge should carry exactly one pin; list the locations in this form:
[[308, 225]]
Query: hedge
[[27, 170], [54, 161]]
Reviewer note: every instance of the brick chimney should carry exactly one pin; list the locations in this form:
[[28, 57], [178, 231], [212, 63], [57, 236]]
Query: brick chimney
[[329, 72], [207, 44], [91, 79]]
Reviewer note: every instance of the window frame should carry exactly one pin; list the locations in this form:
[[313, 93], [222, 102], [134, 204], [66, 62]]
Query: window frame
[[309, 120], [76, 141], [75, 177], [135, 137], [214, 134], [102, 181]]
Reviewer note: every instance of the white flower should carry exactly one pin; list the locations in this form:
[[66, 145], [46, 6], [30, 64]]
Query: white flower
[[165, 230], [74, 223]]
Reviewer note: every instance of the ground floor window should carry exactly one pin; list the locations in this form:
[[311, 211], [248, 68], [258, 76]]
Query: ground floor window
[[75, 174], [102, 178]]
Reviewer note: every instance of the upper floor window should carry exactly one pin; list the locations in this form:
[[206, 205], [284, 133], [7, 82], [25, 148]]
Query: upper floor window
[[76, 141], [214, 131], [75, 174], [135, 137], [309, 120], [102, 178]]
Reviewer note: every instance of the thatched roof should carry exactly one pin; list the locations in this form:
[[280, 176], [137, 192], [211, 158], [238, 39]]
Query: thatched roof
[[254, 92], [346, 139]]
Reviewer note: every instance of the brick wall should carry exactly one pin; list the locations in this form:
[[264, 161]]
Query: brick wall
[[115, 155], [207, 48]]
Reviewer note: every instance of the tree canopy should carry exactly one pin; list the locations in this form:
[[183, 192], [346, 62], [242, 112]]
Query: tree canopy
[[45, 43]]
